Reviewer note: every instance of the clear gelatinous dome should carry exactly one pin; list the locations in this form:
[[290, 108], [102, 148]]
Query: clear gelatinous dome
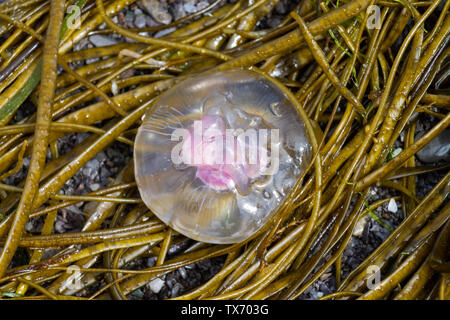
[[217, 154]]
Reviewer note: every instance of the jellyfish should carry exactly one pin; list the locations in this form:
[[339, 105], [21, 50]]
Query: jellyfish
[[218, 153]]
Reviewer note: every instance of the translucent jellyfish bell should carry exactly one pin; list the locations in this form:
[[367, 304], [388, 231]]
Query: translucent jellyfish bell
[[217, 154]]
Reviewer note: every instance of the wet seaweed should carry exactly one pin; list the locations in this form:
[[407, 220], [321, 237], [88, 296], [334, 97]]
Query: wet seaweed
[[361, 74]]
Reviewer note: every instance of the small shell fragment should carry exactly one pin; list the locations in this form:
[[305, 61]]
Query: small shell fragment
[[392, 206]]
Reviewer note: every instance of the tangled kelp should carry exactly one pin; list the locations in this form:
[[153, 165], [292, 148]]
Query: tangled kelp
[[361, 74]]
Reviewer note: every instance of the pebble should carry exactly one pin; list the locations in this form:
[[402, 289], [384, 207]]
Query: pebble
[[176, 290], [281, 7], [102, 41], [164, 32], [93, 164], [140, 21], [202, 5], [325, 276], [170, 280], [151, 262], [178, 11], [274, 22], [29, 226], [437, 149], [60, 226], [158, 10], [324, 289], [156, 285], [182, 272], [359, 227], [190, 6], [129, 16], [138, 293]]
